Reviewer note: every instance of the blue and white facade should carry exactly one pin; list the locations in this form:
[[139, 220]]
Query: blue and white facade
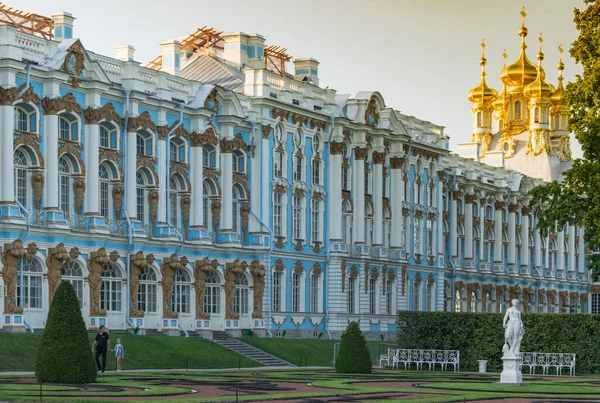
[[353, 210]]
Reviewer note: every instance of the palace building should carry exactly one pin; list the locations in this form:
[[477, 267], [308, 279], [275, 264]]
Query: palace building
[[212, 190]]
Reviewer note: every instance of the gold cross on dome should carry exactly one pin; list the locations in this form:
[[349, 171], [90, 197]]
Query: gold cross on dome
[[523, 15]]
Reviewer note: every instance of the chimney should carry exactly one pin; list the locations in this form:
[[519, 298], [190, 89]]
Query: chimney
[[170, 52], [63, 25], [236, 48], [307, 70], [256, 51], [124, 53]]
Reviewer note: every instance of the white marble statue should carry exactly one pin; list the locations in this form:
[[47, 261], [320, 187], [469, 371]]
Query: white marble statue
[[514, 332]]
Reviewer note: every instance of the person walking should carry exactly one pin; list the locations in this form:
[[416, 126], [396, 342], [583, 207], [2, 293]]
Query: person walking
[[119, 354], [101, 345]]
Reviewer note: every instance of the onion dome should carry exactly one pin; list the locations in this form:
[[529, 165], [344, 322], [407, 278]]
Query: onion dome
[[502, 101], [482, 94], [522, 72], [539, 88], [558, 95]]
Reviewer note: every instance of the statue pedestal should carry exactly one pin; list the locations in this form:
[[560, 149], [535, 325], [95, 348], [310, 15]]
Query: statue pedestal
[[170, 327], [511, 373], [14, 323]]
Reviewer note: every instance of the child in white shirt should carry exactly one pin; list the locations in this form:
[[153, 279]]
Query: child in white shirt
[[119, 354]]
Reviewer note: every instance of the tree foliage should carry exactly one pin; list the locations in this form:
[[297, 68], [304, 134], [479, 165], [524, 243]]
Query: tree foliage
[[480, 336], [353, 357], [577, 198], [64, 355]]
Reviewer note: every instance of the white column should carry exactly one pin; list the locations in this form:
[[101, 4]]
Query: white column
[[547, 255], [266, 175], [51, 158], [378, 159], [512, 208], [92, 144], [561, 250], [256, 195], [538, 249], [469, 227], [525, 237], [581, 250], [130, 174], [571, 267], [197, 177], [227, 185], [358, 189], [482, 203], [163, 177], [397, 189], [440, 221], [8, 177], [498, 245], [454, 226], [335, 191]]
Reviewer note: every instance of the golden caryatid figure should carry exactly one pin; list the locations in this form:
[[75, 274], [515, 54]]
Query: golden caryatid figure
[[526, 104]]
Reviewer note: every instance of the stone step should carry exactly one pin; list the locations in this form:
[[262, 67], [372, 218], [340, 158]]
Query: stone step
[[250, 352]]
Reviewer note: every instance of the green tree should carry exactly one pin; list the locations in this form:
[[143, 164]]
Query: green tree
[[577, 198], [65, 353], [353, 357]]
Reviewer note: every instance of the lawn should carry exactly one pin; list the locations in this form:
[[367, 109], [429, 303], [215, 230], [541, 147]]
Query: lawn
[[18, 351], [300, 352]]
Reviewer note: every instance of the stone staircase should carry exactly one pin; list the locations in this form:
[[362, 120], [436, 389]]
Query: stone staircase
[[223, 339]]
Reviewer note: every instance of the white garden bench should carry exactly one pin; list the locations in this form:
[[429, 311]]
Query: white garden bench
[[558, 361], [431, 358]]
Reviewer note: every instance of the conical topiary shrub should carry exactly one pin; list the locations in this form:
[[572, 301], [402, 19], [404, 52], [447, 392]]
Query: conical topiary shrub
[[65, 353], [353, 357]]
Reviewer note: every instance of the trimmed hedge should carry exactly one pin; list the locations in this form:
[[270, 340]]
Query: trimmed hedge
[[65, 353], [480, 336], [354, 356]]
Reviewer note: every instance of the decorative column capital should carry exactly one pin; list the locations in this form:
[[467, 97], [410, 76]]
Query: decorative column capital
[[361, 153], [8, 96], [227, 146], [266, 132], [525, 210], [92, 116], [397, 162], [499, 205], [469, 199], [162, 132], [378, 157], [51, 106], [336, 148], [512, 208]]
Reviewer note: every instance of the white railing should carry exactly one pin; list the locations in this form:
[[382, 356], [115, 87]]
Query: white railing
[[296, 88], [177, 84], [113, 68], [148, 76], [275, 81], [319, 94], [33, 48]]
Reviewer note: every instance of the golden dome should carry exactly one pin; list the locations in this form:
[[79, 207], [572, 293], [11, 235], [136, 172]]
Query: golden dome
[[558, 95], [483, 93], [501, 102], [522, 72], [539, 88]]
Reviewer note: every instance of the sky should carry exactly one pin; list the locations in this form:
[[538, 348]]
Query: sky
[[422, 55]]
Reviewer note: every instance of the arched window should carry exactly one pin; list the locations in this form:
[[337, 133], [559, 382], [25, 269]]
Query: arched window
[[475, 209], [65, 172], [108, 136], [71, 272], [147, 290], [183, 292], [238, 161], [67, 127], [416, 300], [209, 156], [316, 220], [212, 296], [143, 179], [505, 215], [518, 110], [346, 222], [32, 281], [144, 144], [279, 160], [110, 291], [25, 118], [22, 162], [177, 150], [177, 187], [106, 174], [297, 292], [316, 172], [240, 298], [373, 295], [460, 206], [417, 191], [298, 168], [209, 191], [389, 296], [238, 194], [278, 303], [489, 212], [488, 246]]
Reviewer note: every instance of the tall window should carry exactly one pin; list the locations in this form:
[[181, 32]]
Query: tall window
[[209, 158], [104, 184], [177, 186], [236, 218], [368, 224], [240, 297], [429, 237], [373, 288], [278, 214], [351, 295], [238, 161], [67, 127], [209, 191], [298, 218], [296, 291], [518, 110], [297, 168], [315, 222], [144, 143], [367, 188], [177, 150], [110, 291], [278, 164], [416, 295], [212, 296], [314, 293], [345, 177], [32, 282], [389, 297], [71, 272], [488, 246], [277, 292], [147, 290], [430, 296], [182, 296], [25, 118], [65, 170], [316, 172], [346, 222], [387, 227], [108, 136], [143, 179], [21, 177], [384, 185]]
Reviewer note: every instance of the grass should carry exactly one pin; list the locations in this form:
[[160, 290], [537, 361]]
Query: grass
[[18, 351], [300, 352]]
